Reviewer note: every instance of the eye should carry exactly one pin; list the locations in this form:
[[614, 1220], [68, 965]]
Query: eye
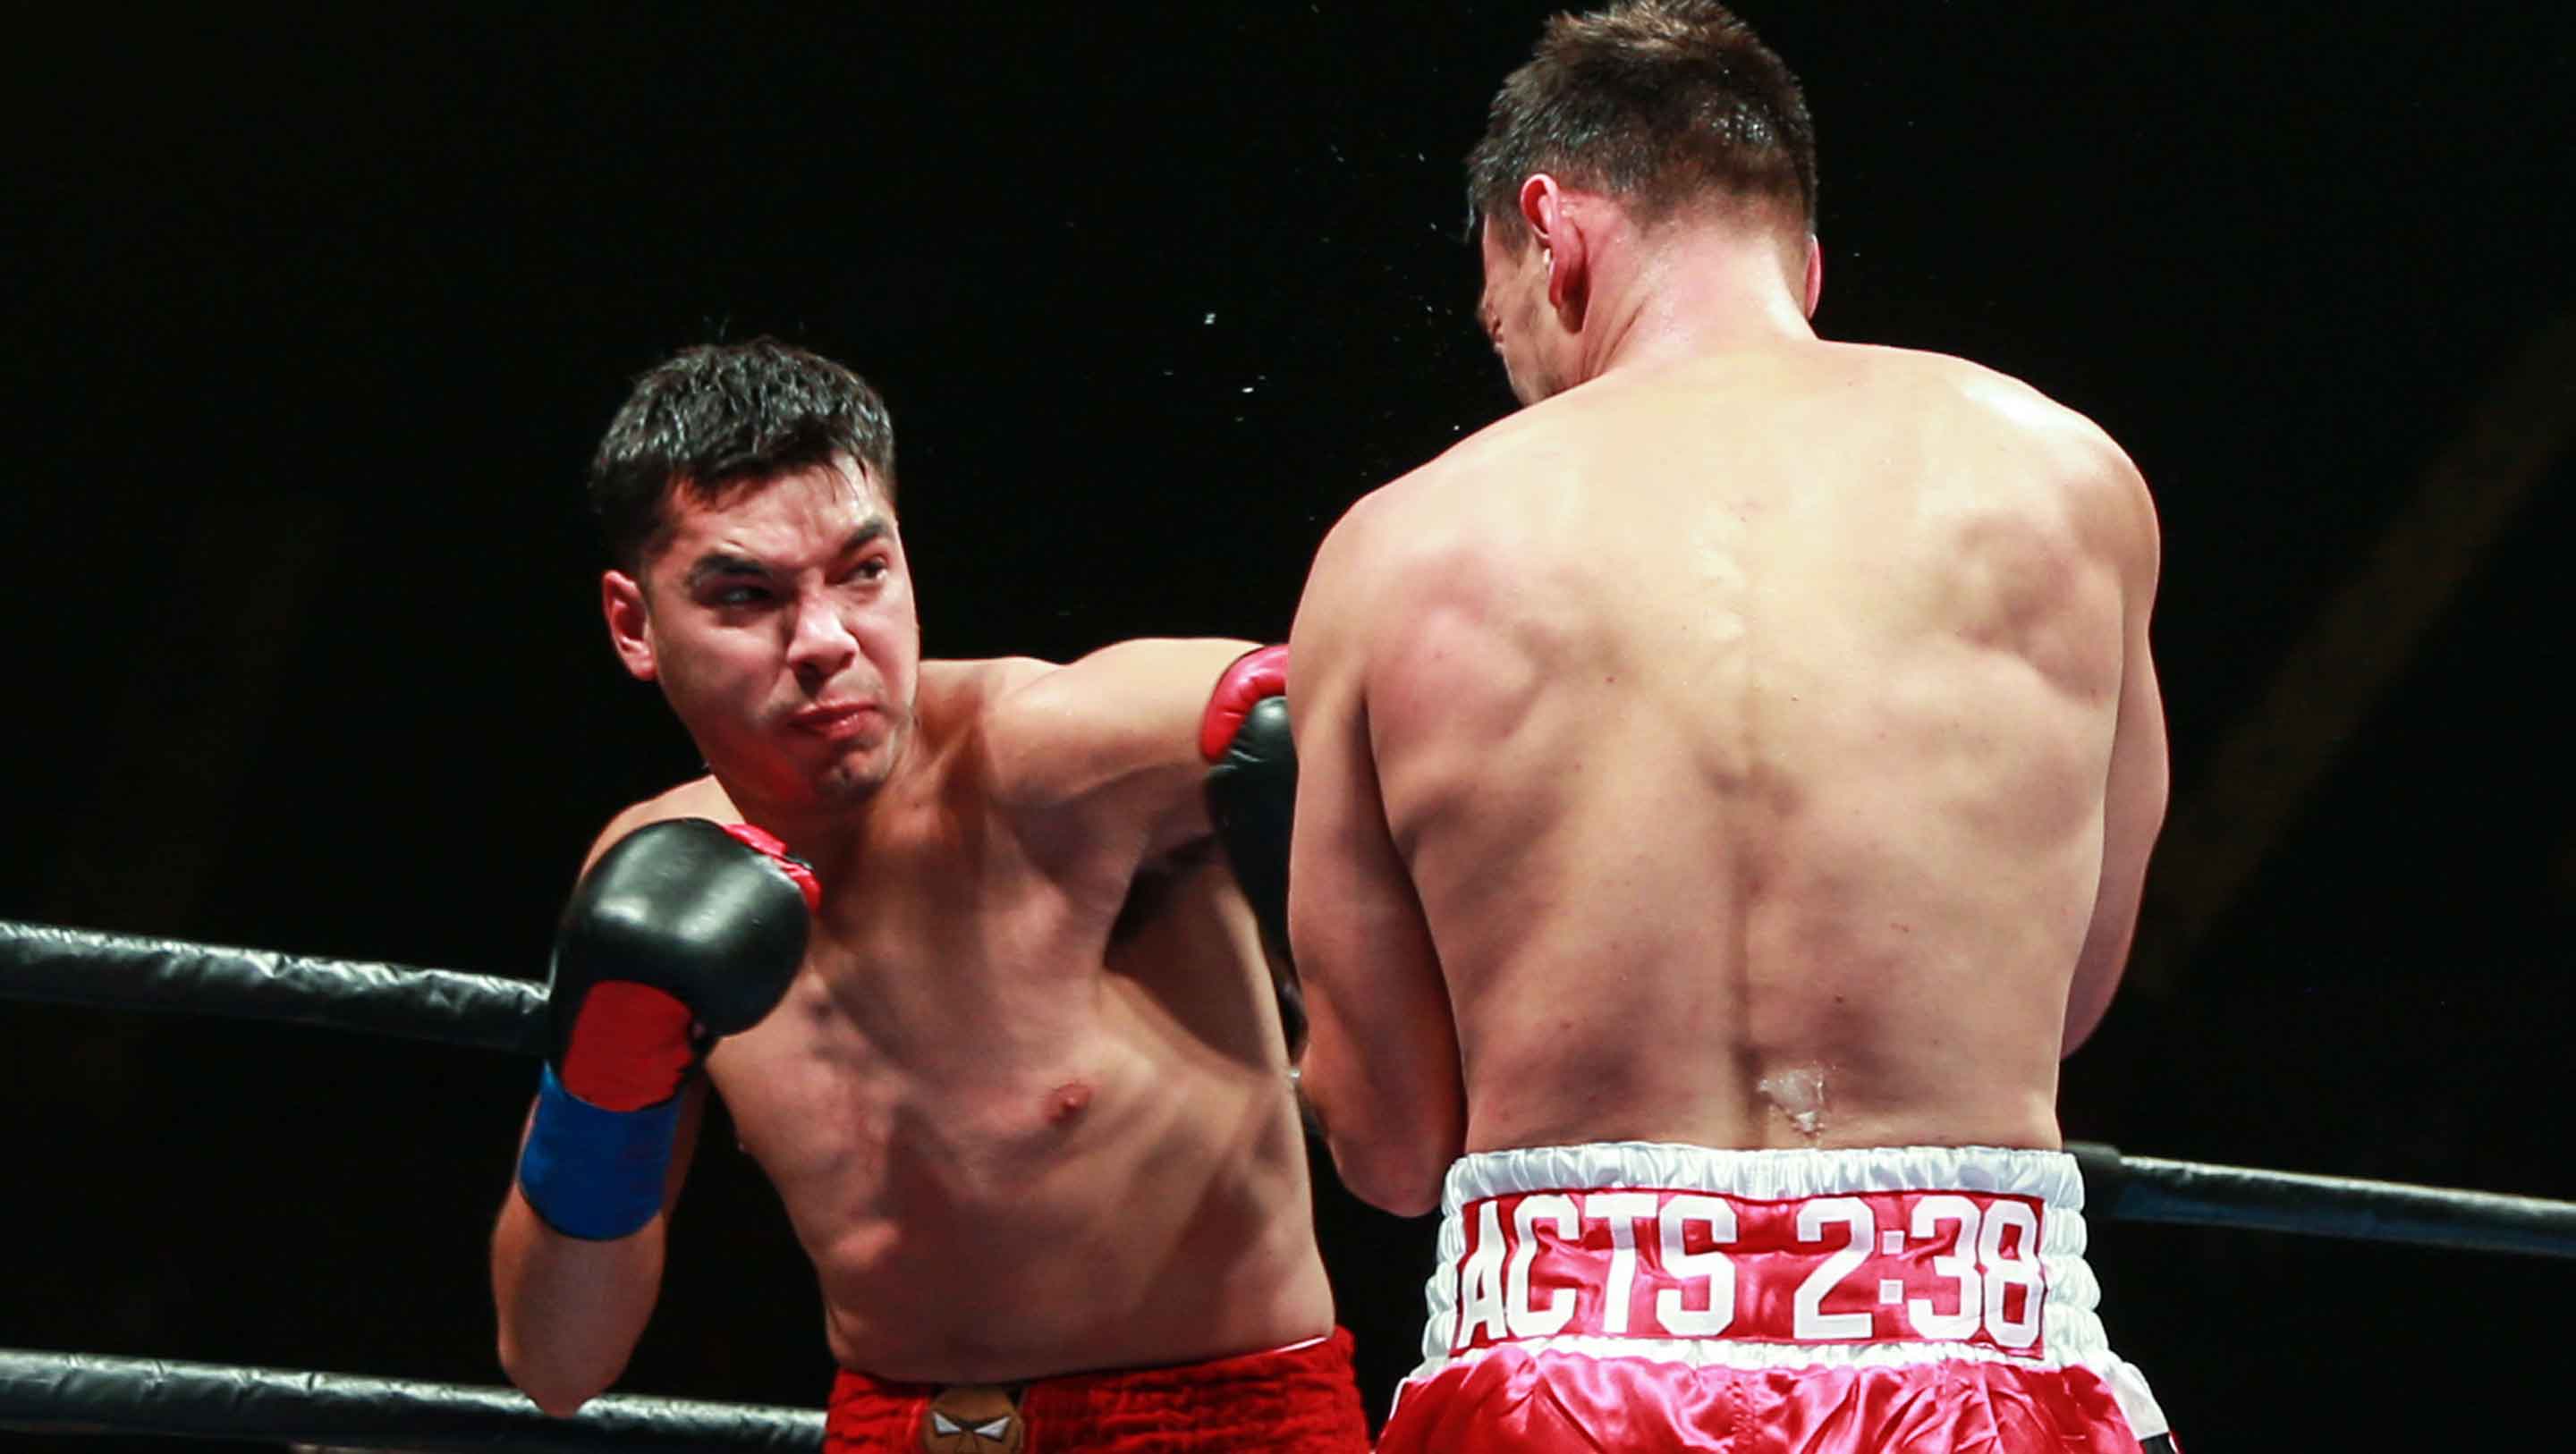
[[738, 596], [874, 568]]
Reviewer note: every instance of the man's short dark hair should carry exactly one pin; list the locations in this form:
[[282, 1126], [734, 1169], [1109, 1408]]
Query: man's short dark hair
[[722, 418], [1660, 104]]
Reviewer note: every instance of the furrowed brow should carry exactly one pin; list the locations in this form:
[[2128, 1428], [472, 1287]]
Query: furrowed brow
[[725, 563], [721, 563]]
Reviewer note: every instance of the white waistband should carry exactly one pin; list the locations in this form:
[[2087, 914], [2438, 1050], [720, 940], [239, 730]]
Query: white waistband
[[2070, 1331], [2046, 1176]]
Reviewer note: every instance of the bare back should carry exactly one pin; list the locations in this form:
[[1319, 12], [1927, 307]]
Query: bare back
[[1746, 740], [1026, 1105]]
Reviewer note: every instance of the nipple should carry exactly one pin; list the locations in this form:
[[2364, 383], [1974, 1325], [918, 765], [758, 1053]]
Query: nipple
[[1799, 1092], [1066, 1102]]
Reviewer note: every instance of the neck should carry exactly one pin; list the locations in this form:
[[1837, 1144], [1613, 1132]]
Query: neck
[[1688, 293], [807, 826], [817, 826]]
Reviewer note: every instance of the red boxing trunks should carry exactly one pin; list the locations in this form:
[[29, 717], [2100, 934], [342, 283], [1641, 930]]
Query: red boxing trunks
[[1294, 1400], [1641, 1296]]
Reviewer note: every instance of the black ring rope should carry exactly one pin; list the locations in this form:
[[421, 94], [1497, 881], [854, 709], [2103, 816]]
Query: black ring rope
[[2189, 1193], [126, 971], [82, 1393], [87, 967]]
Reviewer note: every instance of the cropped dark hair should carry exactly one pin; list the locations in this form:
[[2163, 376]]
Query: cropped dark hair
[[1658, 103], [725, 417]]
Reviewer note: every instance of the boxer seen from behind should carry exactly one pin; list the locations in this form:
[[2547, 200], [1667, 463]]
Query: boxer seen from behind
[[1726, 786], [949, 939]]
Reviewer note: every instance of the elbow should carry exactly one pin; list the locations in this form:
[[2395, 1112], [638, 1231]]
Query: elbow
[[553, 1385], [1403, 1180], [2071, 1037], [1403, 1191], [2082, 1019], [559, 1405], [1395, 1160]]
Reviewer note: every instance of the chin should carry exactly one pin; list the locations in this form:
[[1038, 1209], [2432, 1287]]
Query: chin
[[856, 776], [846, 785]]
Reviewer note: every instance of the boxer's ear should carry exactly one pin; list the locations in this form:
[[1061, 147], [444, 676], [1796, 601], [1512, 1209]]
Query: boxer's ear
[[1564, 250], [1815, 273], [621, 601]]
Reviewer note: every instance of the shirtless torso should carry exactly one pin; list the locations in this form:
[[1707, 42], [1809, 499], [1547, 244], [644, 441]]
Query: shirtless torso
[[1725, 789], [1026, 1103], [1771, 743], [1021, 1083]]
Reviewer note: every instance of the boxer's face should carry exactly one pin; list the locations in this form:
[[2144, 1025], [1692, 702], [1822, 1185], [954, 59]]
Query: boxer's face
[[1516, 315], [780, 625]]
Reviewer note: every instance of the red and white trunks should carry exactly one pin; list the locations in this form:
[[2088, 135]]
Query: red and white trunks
[[1637, 1296], [1294, 1400]]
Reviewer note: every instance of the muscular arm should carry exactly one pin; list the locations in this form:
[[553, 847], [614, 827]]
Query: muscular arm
[[1381, 1069], [2134, 802], [571, 1310], [1105, 750]]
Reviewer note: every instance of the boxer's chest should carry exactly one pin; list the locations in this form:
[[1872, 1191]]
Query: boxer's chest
[[949, 1022]]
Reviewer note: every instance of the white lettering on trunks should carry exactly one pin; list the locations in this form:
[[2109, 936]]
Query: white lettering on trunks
[[1480, 1298], [1528, 1320], [1917, 1266]]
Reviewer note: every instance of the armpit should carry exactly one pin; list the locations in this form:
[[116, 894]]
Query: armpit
[[1152, 887]]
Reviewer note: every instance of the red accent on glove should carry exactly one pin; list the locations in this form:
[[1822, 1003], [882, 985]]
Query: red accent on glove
[[761, 840], [630, 1046], [1259, 673]]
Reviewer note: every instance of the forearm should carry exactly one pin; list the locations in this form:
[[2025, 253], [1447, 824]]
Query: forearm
[[571, 1310], [679, 932], [1392, 1133], [2097, 979]]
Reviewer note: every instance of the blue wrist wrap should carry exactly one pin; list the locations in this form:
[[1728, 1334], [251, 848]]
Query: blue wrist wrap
[[592, 1173]]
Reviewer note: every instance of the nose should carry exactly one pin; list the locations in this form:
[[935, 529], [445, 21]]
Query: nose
[[821, 643]]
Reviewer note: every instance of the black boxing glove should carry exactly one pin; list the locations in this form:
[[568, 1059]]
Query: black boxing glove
[[1252, 800], [682, 932]]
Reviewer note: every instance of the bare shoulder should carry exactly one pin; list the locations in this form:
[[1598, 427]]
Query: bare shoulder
[[1014, 719], [2074, 455], [1411, 534], [1097, 679], [968, 704], [699, 797], [1057, 731], [971, 691], [2010, 404]]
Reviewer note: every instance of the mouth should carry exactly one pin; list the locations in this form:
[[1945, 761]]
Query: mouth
[[834, 721]]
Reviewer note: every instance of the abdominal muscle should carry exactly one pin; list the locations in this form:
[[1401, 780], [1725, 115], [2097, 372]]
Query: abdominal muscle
[[995, 1208]]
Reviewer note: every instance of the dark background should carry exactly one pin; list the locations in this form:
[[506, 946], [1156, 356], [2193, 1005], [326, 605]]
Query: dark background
[[312, 324]]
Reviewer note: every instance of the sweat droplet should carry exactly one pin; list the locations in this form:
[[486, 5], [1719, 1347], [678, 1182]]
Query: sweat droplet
[[1799, 1092]]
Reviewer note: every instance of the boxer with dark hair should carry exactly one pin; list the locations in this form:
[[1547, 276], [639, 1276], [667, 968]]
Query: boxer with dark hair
[[1726, 786], [980, 996]]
